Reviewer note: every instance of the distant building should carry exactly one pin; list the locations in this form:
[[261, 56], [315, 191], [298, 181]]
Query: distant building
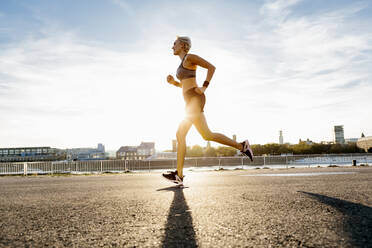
[[25, 154], [339, 134], [101, 147], [146, 149], [365, 143], [141, 152], [234, 137], [163, 155], [87, 153], [351, 140], [208, 145], [281, 137], [127, 153], [307, 141]]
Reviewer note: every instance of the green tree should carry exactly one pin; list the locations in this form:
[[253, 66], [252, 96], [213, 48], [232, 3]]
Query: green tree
[[226, 151], [301, 148], [210, 152], [285, 148], [258, 149], [195, 151], [336, 148], [272, 148]]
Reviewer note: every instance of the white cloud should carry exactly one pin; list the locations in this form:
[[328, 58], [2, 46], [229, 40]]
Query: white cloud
[[86, 92], [304, 62], [124, 6], [301, 74], [276, 10]]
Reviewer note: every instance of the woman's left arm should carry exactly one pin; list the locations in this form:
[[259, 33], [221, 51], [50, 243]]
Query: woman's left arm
[[196, 60]]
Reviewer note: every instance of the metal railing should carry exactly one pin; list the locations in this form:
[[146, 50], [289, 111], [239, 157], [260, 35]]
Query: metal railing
[[104, 166]]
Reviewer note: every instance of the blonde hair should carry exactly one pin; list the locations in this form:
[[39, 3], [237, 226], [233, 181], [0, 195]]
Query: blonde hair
[[186, 41]]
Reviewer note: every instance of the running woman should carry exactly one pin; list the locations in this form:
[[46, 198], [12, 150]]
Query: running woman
[[195, 101]]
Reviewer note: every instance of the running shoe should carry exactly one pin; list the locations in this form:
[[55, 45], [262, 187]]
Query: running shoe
[[247, 149], [173, 177], [179, 180]]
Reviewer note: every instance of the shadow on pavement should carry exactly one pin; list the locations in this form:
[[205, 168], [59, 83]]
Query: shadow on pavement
[[179, 230], [357, 221]]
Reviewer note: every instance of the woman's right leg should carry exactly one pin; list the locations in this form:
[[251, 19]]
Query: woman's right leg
[[183, 128]]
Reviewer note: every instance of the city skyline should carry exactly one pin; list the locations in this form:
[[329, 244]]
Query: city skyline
[[74, 74], [208, 143]]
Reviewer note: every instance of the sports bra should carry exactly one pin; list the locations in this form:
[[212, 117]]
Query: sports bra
[[183, 73]]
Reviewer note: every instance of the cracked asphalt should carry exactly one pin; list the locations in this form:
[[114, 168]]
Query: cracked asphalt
[[241, 208]]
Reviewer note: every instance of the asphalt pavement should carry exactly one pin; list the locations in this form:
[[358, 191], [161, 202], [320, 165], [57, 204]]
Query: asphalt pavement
[[316, 207]]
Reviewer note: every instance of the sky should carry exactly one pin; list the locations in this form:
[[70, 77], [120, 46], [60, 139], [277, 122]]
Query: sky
[[77, 73]]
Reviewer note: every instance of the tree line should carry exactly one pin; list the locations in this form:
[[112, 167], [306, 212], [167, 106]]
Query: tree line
[[274, 149]]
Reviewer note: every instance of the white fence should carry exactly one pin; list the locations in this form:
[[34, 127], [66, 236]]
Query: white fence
[[28, 168]]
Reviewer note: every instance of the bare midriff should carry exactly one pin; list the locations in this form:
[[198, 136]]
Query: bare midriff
[[188, 83]]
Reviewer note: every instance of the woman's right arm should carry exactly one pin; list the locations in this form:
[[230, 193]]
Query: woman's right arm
[[171, 80]]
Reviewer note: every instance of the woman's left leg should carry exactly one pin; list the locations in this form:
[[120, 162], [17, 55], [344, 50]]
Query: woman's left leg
[[201, 125]]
